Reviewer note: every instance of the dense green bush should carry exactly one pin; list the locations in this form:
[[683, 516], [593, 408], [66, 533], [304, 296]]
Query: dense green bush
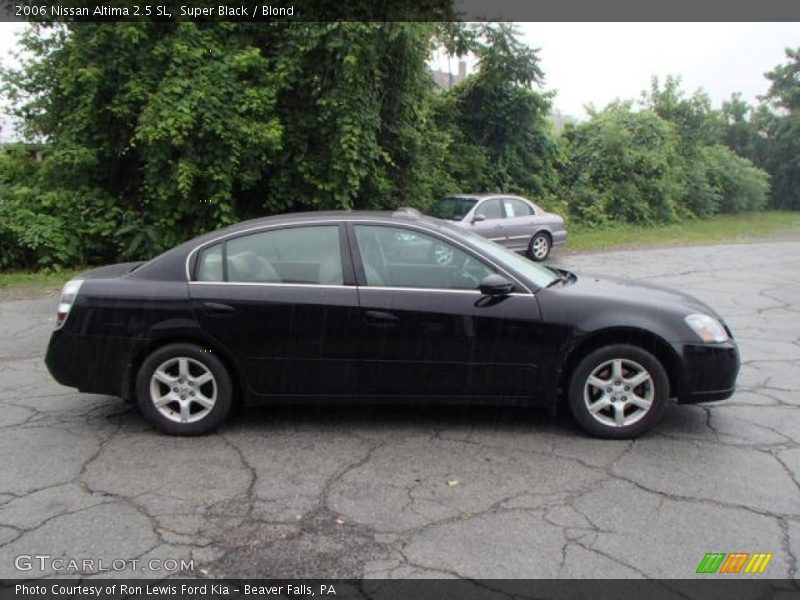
[[737, 184], [639, 167], [620, 167], [46, 227]]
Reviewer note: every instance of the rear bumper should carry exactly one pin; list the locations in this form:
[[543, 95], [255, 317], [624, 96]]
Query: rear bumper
[[92, 364], [708, 371], [559, 237]]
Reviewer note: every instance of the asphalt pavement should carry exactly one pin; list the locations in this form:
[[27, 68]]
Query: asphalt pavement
[[393, 491]]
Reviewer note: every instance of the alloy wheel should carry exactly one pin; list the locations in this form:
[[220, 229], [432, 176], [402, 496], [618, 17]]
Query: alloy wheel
[[619, 392], [540, 247], [183, 389]]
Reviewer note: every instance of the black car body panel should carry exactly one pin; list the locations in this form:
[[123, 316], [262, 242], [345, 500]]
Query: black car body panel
[[604, 307], [459, 348], [283, 341]]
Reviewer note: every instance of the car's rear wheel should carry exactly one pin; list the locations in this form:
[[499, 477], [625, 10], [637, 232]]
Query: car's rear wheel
[[540, 246], [183, 389], [618, 391]]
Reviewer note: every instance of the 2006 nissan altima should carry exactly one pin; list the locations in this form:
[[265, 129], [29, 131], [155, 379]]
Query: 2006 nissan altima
[[355, 305]]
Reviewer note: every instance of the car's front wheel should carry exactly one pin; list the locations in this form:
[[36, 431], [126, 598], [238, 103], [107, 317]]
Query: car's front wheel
[[540, 246], [183, 389], [618, 391]]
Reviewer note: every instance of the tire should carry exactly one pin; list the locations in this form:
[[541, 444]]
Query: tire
[[539, 247], [605, 383], [179, 404]]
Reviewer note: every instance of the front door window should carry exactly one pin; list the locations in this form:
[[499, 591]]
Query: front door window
[[398, 257]]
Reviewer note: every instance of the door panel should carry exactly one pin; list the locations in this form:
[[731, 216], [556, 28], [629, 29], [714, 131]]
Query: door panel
[[519, 224], [449, 343], [287, 339]]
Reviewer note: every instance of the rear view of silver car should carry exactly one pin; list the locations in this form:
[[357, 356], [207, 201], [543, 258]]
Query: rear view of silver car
[[511, 221]]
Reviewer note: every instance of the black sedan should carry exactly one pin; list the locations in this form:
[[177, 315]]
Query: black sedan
[[349, 305]]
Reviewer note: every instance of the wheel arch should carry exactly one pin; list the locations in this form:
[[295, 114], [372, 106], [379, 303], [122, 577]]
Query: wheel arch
[[543, 230], [144, 350], [641, 338]]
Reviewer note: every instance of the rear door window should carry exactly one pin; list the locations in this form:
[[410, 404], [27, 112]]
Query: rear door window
[[517, 208], [305, 255]]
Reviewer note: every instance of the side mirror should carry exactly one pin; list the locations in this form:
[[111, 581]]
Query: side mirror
[[495, 285], [479, 217]]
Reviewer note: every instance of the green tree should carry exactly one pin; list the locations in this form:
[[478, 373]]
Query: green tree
[[783, 133], [164, 130], [695, 121], [784, 90], [500, 137], [742, 129]]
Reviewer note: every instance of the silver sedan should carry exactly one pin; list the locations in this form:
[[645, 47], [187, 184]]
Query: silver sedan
[[511, 221]]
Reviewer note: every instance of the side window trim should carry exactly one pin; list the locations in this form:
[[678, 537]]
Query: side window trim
[[346, 256], [505, 202], [195, 261], [192, 260], [225, 261], [355, 255]]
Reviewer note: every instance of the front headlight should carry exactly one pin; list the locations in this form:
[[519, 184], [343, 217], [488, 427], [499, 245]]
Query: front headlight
[[708, 328]]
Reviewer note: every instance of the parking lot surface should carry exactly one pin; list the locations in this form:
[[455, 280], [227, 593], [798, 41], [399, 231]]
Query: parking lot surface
[[393, 491]]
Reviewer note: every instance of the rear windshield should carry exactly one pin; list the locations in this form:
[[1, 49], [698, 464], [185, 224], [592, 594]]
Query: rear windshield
[[452, 208]]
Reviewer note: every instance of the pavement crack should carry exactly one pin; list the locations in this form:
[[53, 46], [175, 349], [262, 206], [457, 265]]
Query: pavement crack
[[787, 548], [251, 470]]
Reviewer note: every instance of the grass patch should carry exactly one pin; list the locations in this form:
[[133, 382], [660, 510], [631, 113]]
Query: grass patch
[[37, 278], [724, 228]]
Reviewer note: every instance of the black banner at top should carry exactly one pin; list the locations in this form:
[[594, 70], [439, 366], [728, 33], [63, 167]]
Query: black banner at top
[[398, 10]]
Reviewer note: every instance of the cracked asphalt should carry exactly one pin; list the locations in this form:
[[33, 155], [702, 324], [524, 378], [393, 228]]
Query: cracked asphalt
[[392, 491]]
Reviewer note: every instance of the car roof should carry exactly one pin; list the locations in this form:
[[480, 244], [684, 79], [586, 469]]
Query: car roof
[[400, 215]]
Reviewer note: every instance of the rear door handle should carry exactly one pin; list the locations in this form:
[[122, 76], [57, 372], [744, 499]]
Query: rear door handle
[[380, 318], [218, 309]]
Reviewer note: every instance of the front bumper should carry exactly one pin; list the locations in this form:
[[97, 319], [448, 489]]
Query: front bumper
[[708, 371]]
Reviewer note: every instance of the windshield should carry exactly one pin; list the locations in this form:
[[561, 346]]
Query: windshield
[[452, 208], [539, 275]]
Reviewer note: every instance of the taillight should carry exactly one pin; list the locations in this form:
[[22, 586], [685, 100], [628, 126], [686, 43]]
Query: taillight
[[68, 294]]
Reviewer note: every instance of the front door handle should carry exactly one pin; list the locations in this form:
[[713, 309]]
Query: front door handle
[[217, 309], [379, 318]]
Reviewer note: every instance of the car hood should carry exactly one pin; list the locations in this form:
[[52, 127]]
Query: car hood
[[630, 292]]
